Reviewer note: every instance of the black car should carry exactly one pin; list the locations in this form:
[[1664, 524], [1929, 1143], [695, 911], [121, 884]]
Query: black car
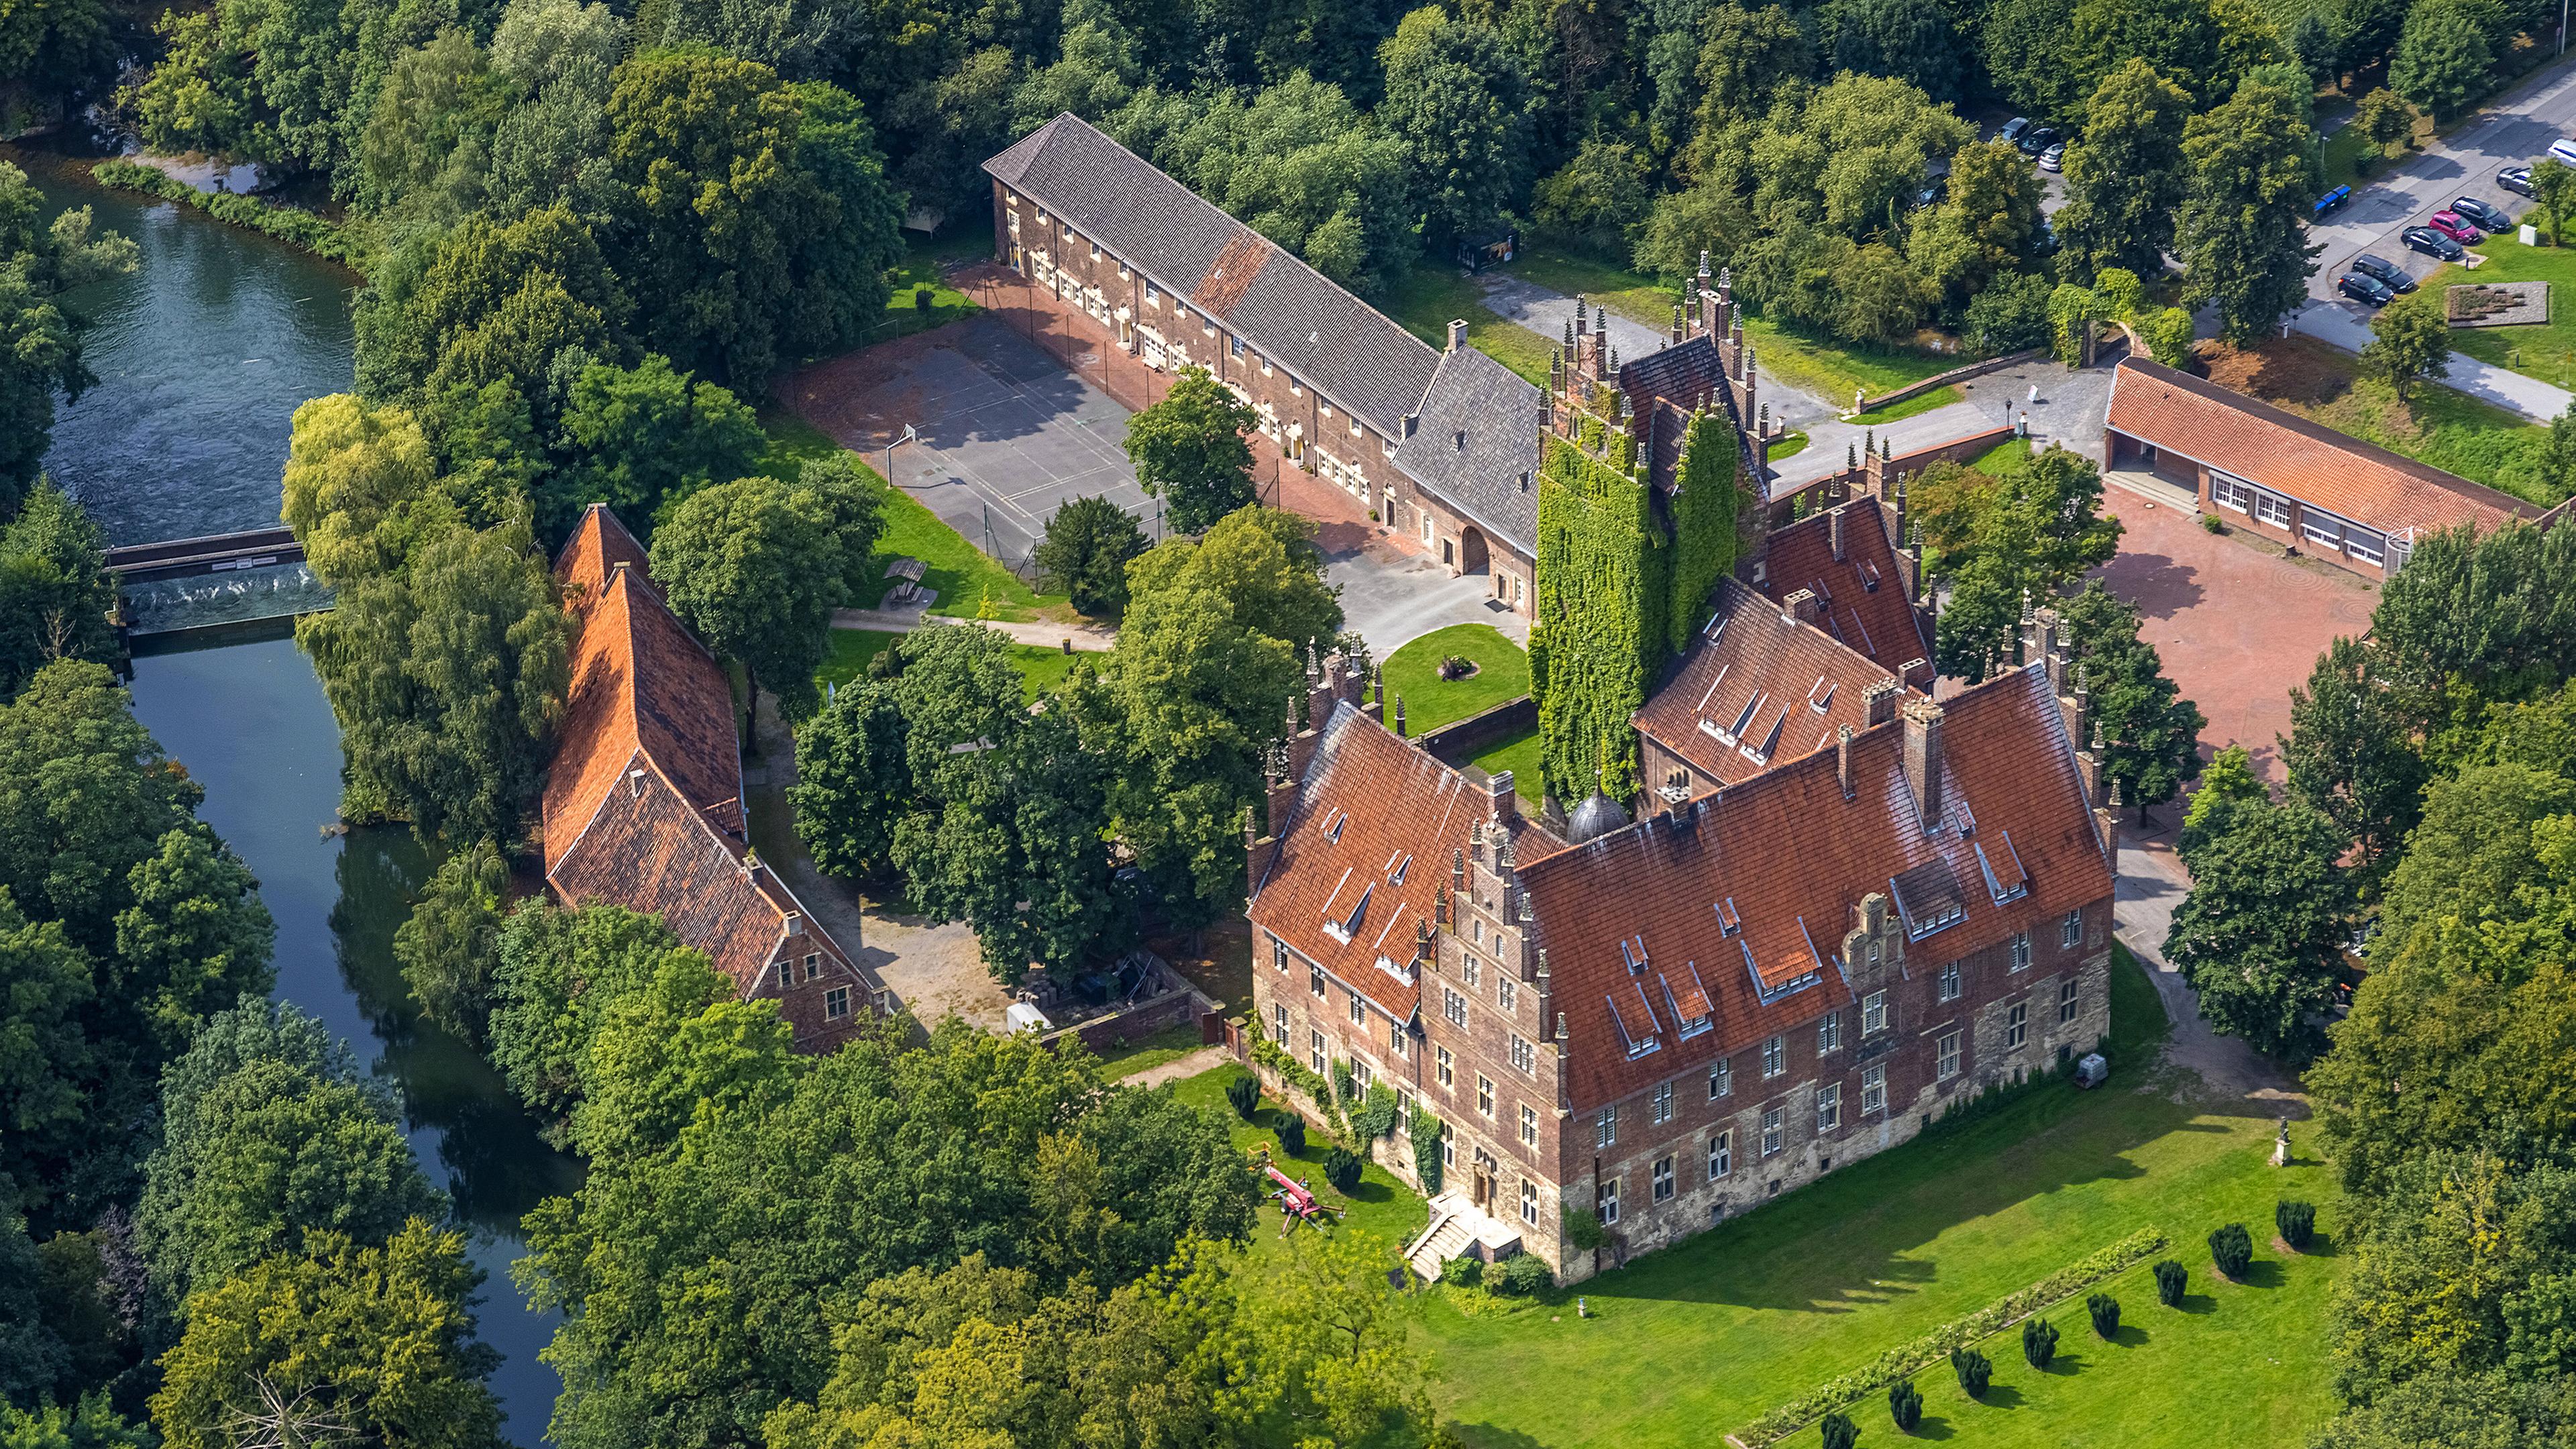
[[2516, 179], [2365, 289], [2038, 139], [2385, 272], [2433, 244], [2484, 217]]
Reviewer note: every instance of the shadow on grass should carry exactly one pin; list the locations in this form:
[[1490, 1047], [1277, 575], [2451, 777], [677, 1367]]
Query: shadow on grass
[[2197, 1303], [2130, 1335], [2262, 1273], [1488, 1436], [1932, 1426], [2001, 1396]]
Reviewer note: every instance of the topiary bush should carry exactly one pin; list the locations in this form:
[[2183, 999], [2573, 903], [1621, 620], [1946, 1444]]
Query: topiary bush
[[2038, 1341], [1840, 1432], [1972, 1369], [2232, 1249], [2297, 1222], [1245, 1094], [1905, 1405], [1519, 1276], [1342, 1170], [2106, 1313], [1464, 1273], [1292, 1135], [2170, 1278]]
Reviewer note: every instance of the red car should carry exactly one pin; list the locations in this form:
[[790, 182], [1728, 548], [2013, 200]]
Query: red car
[[2455, 226]]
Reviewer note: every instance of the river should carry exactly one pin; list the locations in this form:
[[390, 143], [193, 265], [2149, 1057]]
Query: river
[[201, 357]]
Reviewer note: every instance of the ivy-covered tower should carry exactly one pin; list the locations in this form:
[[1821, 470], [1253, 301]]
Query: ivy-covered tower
[[1641, 510]]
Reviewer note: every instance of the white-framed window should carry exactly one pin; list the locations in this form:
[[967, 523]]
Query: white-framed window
[[813, 965], [1315, 981], [1529, 1125], [1484, 1094], [2229, 492], [1152, 297], [2021, 950], [1404, 1110], [1278, 953], [1770, 1131], [2364, 544], [1395, 1038], [1355, 432], [2066, 1001], [1945, 1056], [1873, 1013], [1359, 1010], [2322, 529], [1605, 1200], [1660, 1103], [1234, 347], [1507, 992], [1663, 1179], [1361, 1074], [1721, 1079], [1829, 1107], [1947, 986], [1471, 971], [2070, 931], [1775, 1056], [2271, 508], [1279, 1024], [1315, 1051], [1323, 408], [836, 1003], [1524, 1056], [1529, 1202], [1873, 1088], [2016, 1024], [1446, 1066], [1721, 1155], [1453, 1006], [1605, 1128], [1829, 1033]]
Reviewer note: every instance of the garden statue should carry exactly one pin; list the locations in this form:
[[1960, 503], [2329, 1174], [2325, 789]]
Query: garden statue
[[2281, 1145]]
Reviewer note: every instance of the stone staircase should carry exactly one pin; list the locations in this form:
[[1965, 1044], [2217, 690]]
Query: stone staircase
[[1457, 1228]]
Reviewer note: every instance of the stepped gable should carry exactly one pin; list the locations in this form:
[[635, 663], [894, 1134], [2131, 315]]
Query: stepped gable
[[1788, 858], [1861, 594], [1663, 388], [1757, 688], [1354, 354], [1364, 852], [1475, 444], [639, 682]]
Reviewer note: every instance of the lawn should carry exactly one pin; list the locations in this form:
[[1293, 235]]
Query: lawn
[[963, 574], [1431, 297], [1701, 1338], [2003, 459], [1412, 674], [921, 268], [1921, 402], [1146, 1053], [2546, 350], [1797, 356], [1519, 754], [2449, 430], [1382, 1207], [1042, 670], [1787, 445]]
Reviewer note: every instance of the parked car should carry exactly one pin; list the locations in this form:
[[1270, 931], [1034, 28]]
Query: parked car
[[2486, 218], [2433, 244], [2385, 272], [2332, 201], [2455, 226], [2038, 139], [2365, 289], [2563, 151], [1931, 194], [2516, 179], [2013, 128], [2054, 158]]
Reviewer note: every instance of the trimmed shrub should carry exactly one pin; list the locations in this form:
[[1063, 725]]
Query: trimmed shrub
[[2106, 1313], [1463, 1273], [1973, 1371], [1519, 1276], [1245, 1094], [2231, 1248], [1840, 1432], [2038, 1341], [2170, 1278], [1583, 1229], [1342, 1170], [2297, 1222], [1292, 1136], [1905, 1405]]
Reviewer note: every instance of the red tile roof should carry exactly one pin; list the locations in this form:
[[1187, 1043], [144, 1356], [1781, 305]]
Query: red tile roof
[[1790, 858], [1865, 607], [1364, 852], [1756, 688], [2197, 419]]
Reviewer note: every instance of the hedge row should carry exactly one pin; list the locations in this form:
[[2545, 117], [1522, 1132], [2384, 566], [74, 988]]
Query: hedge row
[[1906, 1361], [286, 223]]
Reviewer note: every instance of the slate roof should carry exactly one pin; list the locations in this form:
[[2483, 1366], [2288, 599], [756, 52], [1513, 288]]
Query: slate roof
[[1756, 688], [1865, 607], [1791, 858], [1364, 853], [643, 799], [1354, 354], [2343, 475], [1476, 445], [1663, 388]]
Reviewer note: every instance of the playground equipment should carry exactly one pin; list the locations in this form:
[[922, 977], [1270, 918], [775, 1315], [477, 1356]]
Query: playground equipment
[[1297, 1201]]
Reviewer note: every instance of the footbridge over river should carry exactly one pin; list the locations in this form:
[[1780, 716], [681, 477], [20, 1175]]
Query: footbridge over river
[[184, 558]]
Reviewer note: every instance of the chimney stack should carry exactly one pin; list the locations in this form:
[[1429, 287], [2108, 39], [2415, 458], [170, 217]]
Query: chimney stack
[[1504, 799], [1842, 758], [1803, 606], [1834, 530], [1923, 758], [1878, 702], [1458, 335]]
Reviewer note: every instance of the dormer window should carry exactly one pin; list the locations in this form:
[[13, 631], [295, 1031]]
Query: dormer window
[[1728, 922], [1633, 951], [1348, 926]]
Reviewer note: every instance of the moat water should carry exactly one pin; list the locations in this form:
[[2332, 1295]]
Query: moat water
[[202, 356]]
